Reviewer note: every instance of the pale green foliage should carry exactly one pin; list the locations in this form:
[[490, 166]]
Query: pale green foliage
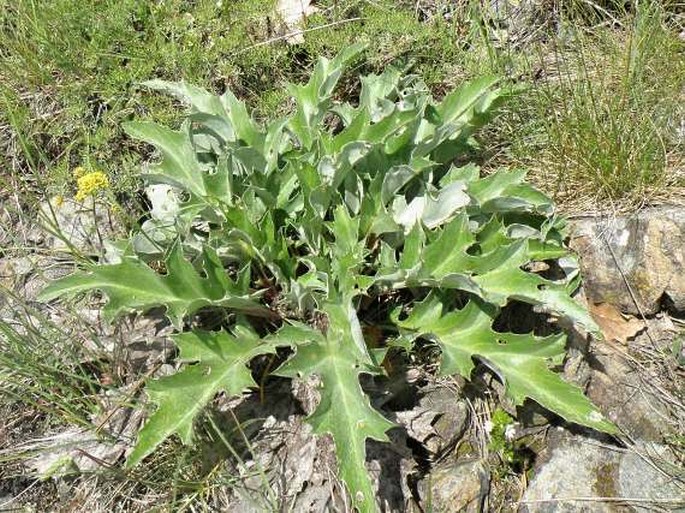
[[131, 285], [299, 219], [344, 411], [520, 360], [222, 366]]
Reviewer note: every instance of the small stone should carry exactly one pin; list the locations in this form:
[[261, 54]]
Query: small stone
[[306, 391], [456, 487], [27, 275], [438, 421]]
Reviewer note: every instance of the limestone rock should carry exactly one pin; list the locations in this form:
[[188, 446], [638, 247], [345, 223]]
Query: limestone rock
[[77, 225], [452, 421], [640, 475], [25, 276], [438, 421], [456, 487], [576, 467], [648, 247], [618, 390], [72, 451], [578, 472]]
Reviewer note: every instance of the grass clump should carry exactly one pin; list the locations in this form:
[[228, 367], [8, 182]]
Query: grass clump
[[601, 126]]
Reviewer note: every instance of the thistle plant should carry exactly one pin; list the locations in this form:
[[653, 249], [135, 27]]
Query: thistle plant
[[295, 227]]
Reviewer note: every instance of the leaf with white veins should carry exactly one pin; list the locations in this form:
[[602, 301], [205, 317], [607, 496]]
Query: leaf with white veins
[[344, 410], [133, 286], [522, 361], [216, 362]]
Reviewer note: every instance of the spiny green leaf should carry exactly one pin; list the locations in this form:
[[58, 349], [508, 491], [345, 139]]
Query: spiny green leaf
[[133, 286], [218, 364], [313, 98], [430, 209], [179, 166], [345, 230], [347, 251], [447, 254], [199, 99], [226, 108], [394, 179], [457, 115], [390, 125], [241, 121], [509, 282], [522, 361], [495, 276], [344, 410], [505, 191], [376, 93]]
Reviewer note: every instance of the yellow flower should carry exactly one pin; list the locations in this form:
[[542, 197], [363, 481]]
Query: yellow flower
[[59, 201], [90, 183], [79, 172]]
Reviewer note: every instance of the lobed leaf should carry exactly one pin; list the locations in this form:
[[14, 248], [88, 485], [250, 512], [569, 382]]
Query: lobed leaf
[[344, 411], [521, 361], [225, 109], [179, 166], [133, 286], [216, 362], [495, 275], [313, 98]]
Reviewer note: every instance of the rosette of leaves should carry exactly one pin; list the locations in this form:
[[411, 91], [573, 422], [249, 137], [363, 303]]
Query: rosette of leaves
[[317, 214]]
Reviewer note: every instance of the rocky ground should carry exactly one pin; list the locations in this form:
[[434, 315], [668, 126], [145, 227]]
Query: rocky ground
[[450, 454]]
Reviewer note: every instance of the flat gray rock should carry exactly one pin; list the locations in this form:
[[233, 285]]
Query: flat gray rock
[[579, 475]]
